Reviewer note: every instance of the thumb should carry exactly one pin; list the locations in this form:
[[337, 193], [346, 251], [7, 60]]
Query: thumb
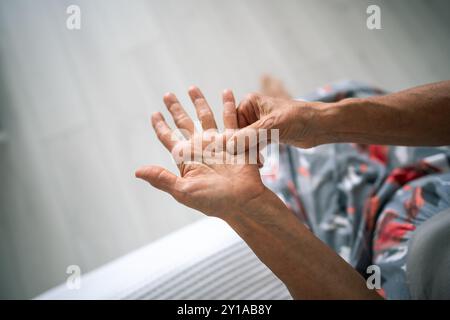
[[158, 177], [251, 136]]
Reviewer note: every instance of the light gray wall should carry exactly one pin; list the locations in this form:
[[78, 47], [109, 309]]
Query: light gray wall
[[75, 104]]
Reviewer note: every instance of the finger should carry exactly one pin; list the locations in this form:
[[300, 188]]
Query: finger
[[251, 136], [242, 121], [240, 111], [248, 110], [179, 115], [204, 112], [229, 110], [243, 139], [163, 131], [158, 177]]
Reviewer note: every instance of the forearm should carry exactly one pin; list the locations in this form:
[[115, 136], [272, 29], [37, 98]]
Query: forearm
[[309, 268], [417, 116]]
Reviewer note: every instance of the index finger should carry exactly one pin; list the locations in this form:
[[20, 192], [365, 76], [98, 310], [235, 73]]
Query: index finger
[[163, 131]]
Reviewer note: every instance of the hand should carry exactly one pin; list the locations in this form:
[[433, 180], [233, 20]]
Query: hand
[[295, 120], [235, 193], [216, 189]]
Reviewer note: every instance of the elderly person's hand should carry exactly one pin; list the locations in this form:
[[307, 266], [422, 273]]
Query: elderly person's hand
[[297, 121], [235, 193], [413, 117], [211, 180]]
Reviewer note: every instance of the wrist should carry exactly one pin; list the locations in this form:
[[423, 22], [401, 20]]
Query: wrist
[[266, 208], [264, 212], [300, 123], [336, 120]]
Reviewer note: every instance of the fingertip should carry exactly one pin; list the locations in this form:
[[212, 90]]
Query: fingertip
[[169, 98], [226, 91], [195, 93], [227, 95], [139, 173], [147, 173], [192, 88], [156, 116]]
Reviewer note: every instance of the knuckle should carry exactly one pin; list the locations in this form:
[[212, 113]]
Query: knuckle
[[174, 108], [182, 191], [180, 119], [161, 176], [200, 101], [204, 113], [253, 96], [269, 121], [229, 112], [160, 135]]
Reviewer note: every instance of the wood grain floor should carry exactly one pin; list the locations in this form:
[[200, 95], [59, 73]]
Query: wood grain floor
[[75, 104]]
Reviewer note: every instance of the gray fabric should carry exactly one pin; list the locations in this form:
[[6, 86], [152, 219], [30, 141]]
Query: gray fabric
[[364, 201], [428, 261]]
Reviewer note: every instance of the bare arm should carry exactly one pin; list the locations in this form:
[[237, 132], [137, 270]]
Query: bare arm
[[418, 116], [309, 268]]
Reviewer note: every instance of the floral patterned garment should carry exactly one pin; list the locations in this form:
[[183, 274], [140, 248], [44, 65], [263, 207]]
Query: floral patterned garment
[[365, 201]]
